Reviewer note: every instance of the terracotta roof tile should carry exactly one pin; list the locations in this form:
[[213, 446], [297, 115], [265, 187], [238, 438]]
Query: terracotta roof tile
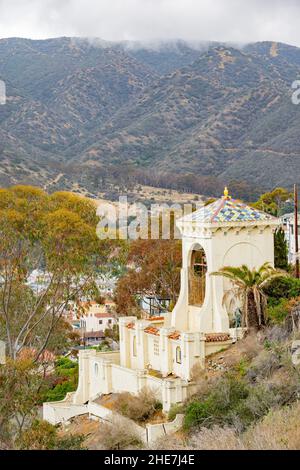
[[103, 315], [216, 337], [175, 335], [152, 330], [131, 326]]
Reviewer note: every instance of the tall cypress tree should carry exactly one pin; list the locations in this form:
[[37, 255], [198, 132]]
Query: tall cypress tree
[[281, 249]]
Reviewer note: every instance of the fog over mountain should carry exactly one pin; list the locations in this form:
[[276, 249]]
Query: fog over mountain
[[239, 21]]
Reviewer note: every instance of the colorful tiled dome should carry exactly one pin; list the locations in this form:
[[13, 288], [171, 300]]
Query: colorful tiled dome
[[227, 210]]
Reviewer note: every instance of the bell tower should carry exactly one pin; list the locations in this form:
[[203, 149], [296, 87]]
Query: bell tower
[[224, 233]]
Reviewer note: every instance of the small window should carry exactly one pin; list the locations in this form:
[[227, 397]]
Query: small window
[[96, 369], [109, 321], [100, 322], [178, 355]]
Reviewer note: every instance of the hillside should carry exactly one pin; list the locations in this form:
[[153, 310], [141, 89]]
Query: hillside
[[211, 110]]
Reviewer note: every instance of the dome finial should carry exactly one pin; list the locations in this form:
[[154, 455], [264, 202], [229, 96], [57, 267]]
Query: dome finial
[[226, 193]]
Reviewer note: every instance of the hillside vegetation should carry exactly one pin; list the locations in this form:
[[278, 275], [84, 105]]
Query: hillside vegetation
[[79, 111]]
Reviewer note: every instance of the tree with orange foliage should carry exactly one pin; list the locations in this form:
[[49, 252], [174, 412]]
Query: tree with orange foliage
[[154, 270]]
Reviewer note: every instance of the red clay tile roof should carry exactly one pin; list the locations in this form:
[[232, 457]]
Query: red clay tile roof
[[151, 330], [216, 337], [156, 318], [131, 326], [103, 315], [175, 335]]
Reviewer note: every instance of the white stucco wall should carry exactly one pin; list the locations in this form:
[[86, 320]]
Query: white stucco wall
[[232, 245], [92, 323], [154, 351]]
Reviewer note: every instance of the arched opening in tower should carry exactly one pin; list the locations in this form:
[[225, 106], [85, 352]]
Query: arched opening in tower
[[197, 277]]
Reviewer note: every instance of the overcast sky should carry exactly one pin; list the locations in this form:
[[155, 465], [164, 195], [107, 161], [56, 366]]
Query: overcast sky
[[221, 20]]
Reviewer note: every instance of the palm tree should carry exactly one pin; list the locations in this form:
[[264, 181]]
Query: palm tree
[[248, 286]]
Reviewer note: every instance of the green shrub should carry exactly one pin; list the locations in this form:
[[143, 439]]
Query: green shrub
[[44, 436], [280, 250], [282, 288], [64, 367], [59, 391], [218, 404], [278, 312], [104, 346], [65, 363], [257, 404], [242, 367], [233, 402], [66, 372]]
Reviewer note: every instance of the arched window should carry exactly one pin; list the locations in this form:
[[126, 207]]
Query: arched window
[[197, 277], [178, 355], [134, 346], [96, 368]]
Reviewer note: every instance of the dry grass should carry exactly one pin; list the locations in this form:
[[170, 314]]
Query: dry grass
[[171, 442], [264, 365], [120, 434], [245, 349], [217, 438], [140, 408], [82, 425], [279, 430]]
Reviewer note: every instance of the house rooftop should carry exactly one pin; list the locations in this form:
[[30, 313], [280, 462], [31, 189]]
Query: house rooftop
[[103, 315]]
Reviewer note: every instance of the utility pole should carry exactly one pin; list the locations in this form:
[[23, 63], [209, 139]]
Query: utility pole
[[296, 231]]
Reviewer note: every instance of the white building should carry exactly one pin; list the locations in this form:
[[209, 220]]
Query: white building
[[288, 223], [97, 321], [97, 317], [162, 354]]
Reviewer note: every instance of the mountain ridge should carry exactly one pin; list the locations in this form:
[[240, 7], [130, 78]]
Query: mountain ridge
[[217, 111]]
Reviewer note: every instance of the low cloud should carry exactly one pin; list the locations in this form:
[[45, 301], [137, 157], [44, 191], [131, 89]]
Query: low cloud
[[238, 21]]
